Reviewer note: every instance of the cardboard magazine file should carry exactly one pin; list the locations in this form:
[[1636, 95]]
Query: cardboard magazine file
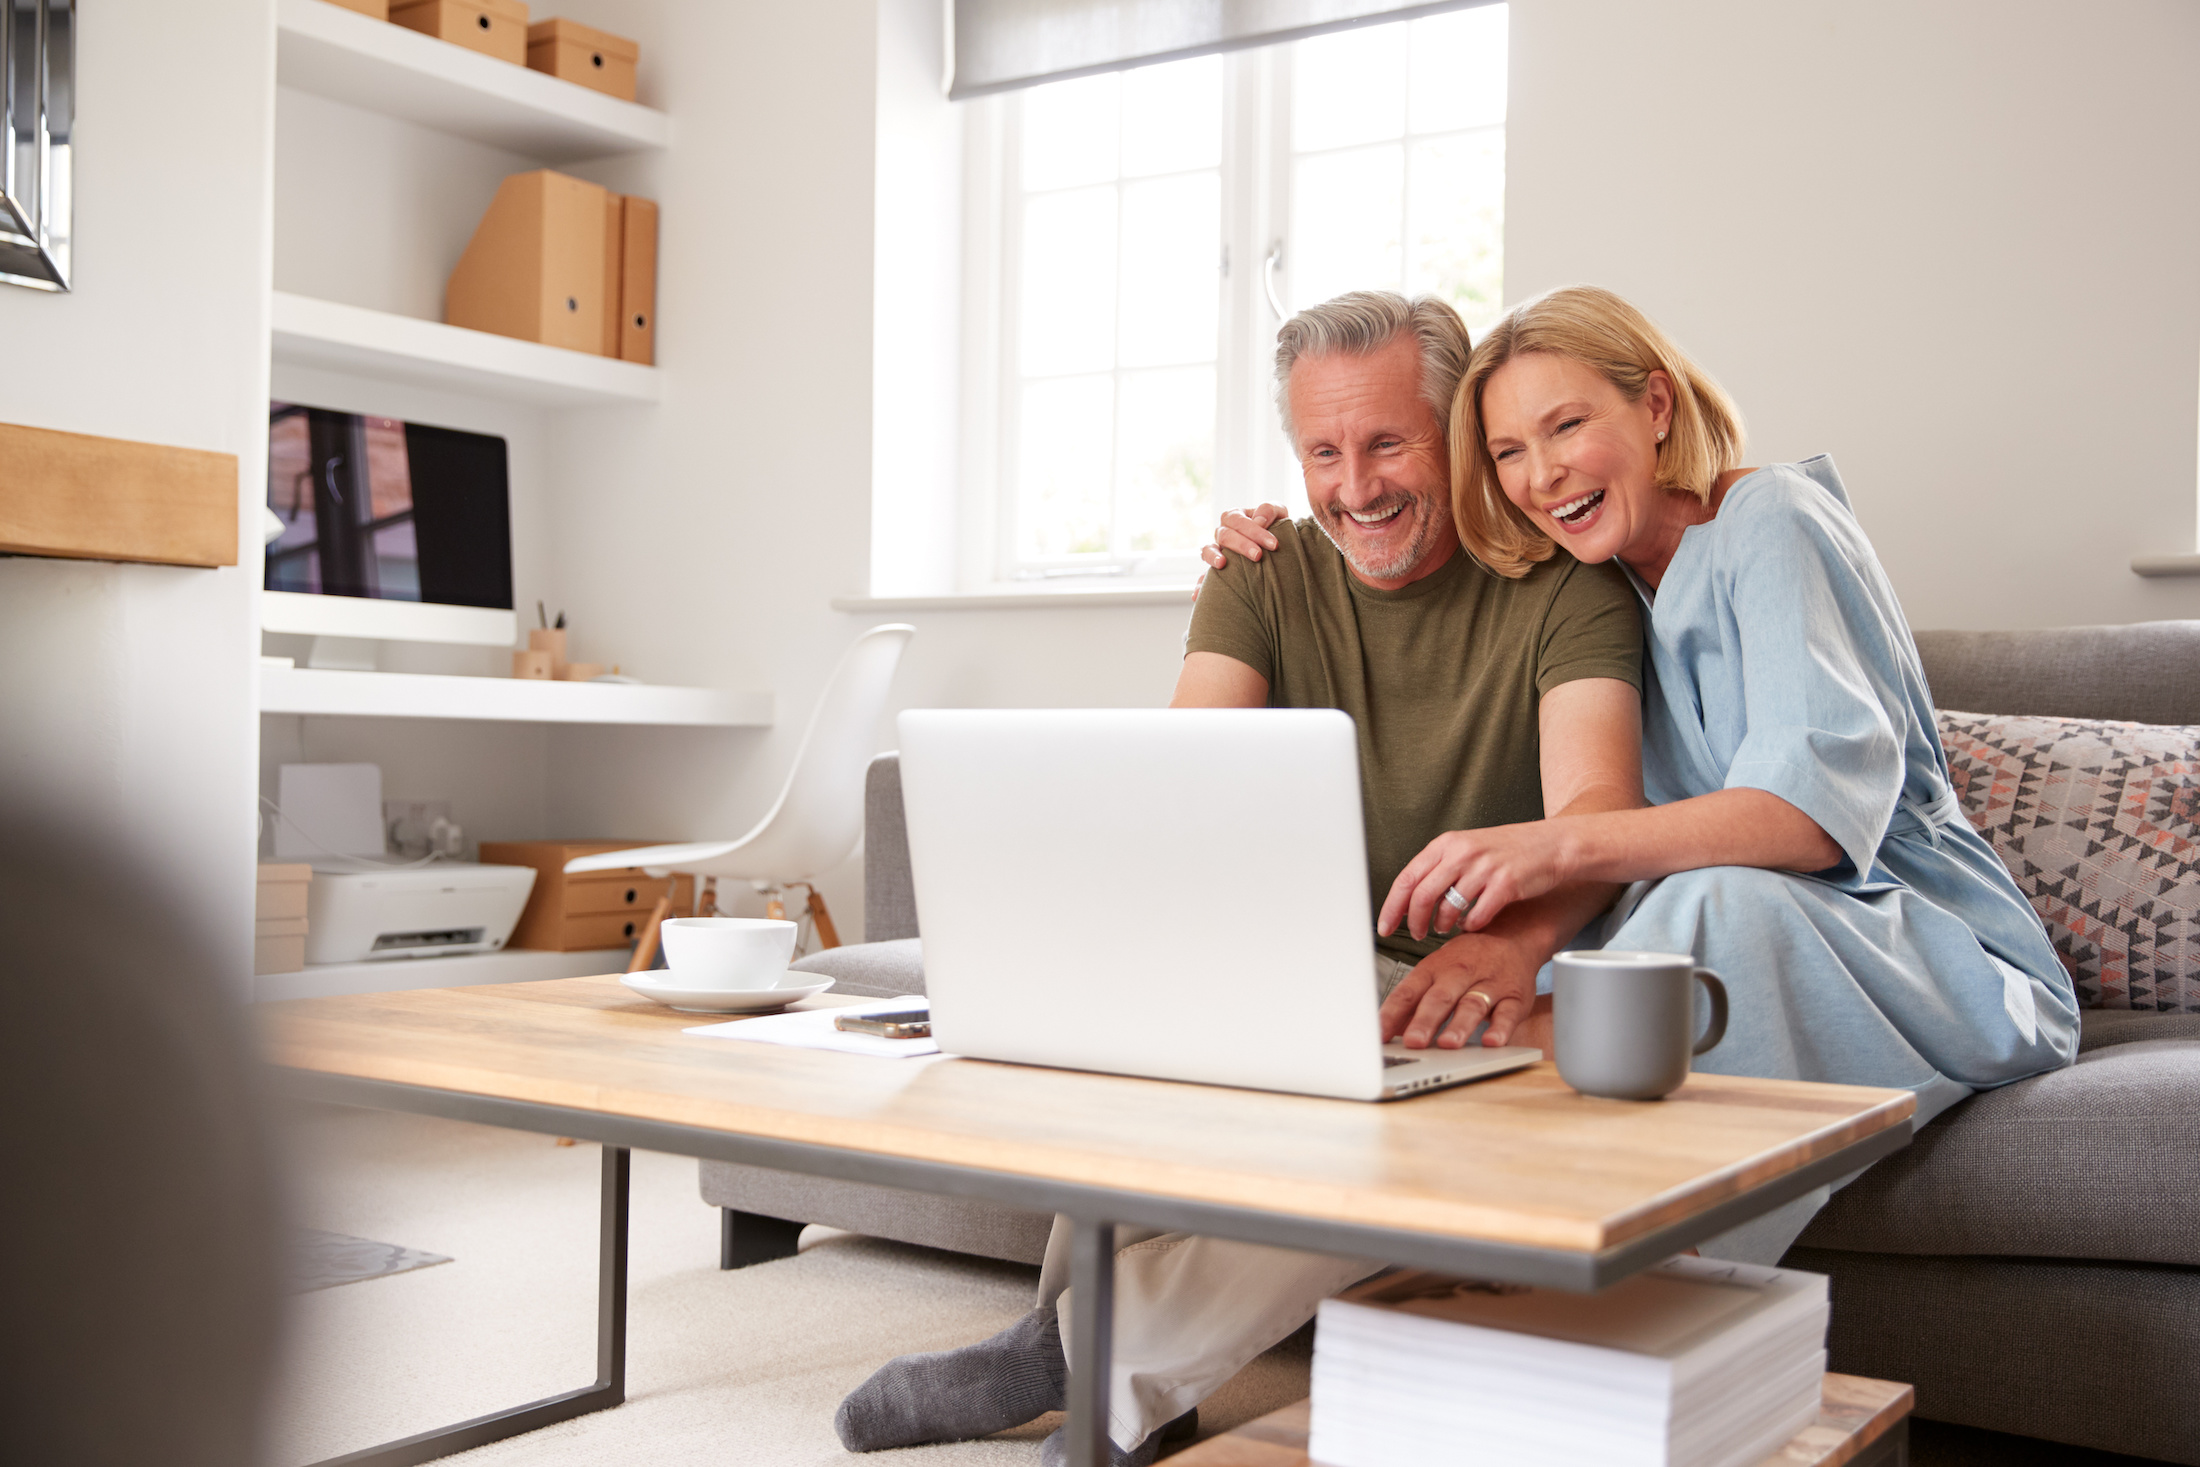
[[495, 28], [636, 337], [587, 57], [536, 267], [630, 280]]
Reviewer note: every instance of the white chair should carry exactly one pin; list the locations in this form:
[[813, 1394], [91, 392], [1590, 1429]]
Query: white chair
[[818, 817]]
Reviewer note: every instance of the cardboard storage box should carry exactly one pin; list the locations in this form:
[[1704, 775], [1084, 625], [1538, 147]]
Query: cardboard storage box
[[279, 917], [575, 53], [493, 27], [378, 9], [575, 913], [278, 954]]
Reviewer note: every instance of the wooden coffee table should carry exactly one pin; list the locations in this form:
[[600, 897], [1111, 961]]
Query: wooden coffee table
[[1514, 1178], [1861, 1423]]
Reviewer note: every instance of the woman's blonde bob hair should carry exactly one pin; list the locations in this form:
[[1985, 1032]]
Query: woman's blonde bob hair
[[1594, 327]]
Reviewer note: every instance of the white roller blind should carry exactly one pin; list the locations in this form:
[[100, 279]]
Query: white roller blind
[[999, 45]]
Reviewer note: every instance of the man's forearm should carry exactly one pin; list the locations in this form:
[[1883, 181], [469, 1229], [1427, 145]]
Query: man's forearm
[[1540, 928]]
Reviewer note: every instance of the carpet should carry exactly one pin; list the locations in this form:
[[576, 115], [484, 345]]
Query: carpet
[[728, 1369], [321, 1260]]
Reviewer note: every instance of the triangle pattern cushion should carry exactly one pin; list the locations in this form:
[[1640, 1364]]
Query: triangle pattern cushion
[[2099, 823]]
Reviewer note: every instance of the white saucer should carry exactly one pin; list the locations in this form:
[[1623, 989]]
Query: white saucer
[[717, 1000]]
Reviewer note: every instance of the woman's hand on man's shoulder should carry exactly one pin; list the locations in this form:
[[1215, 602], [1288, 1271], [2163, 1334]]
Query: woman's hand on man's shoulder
[[1244, 532]]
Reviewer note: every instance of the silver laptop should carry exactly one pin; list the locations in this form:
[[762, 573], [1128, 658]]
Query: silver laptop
[[1180, 895]]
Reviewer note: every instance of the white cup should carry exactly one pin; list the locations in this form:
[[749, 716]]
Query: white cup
[[729, 953]]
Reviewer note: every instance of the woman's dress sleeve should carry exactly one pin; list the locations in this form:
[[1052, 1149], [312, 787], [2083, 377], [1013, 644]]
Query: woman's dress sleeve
[[1817, 668]]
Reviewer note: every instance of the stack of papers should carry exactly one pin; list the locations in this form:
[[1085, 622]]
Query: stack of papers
[[813, 1029], [1695, 1363]]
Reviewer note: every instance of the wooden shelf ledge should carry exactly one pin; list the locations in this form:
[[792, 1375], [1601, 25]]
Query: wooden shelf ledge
[[79, 497]]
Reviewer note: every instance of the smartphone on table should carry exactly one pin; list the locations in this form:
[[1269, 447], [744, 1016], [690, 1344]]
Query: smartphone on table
[[900, 1024]]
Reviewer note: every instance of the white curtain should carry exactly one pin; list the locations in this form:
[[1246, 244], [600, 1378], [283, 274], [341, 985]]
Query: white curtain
[[998, 45]]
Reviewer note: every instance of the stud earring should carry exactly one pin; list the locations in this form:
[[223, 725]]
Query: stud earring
[[1661, 437]]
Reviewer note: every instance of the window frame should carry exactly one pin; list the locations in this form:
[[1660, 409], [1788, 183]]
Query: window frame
[[1252, 460]]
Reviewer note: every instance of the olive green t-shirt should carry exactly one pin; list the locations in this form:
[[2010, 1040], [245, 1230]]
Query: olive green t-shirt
[[1442, 677]]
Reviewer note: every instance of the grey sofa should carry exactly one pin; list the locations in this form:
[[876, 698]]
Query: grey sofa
[[2031, 1263]]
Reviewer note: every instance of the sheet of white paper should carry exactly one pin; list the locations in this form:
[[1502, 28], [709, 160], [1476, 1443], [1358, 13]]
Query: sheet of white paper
[[813, 1029]]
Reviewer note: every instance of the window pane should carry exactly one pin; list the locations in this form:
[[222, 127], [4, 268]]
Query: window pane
[[1456, 224], [1459, 70], [1346, 213], [1069, 132], [1348, 87], [1068, 282], [1062, 467], [1172, 243], [1172, 117], [1165, 457]]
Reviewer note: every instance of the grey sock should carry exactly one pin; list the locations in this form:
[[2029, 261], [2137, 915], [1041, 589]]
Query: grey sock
[[958, 1395], [1054, 1451]]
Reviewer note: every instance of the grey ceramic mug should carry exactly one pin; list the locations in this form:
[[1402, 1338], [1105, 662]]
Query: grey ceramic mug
[[1624, 1023]]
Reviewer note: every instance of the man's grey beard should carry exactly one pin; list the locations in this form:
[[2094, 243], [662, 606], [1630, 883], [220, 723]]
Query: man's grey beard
[[1433, 522]]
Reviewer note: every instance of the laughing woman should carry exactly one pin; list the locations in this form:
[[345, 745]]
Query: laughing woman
[[1803, 838]]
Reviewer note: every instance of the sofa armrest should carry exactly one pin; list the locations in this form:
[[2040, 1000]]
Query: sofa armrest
[[889, 894]]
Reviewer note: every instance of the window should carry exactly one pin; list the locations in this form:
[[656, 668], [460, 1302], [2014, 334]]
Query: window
[[1139, 231]]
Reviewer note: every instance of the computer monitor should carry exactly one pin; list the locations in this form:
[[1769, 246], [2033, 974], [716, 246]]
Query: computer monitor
[[391, 531]]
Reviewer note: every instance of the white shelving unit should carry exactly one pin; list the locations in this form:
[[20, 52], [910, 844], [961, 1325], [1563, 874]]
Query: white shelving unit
[[347, 57], [317, 333], [504, 700], [513, 965]]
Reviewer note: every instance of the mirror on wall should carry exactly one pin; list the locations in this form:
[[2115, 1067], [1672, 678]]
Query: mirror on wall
[[37, 110]]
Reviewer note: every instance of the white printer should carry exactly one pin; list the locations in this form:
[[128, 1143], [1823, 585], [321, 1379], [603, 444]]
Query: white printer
[[412, 912]]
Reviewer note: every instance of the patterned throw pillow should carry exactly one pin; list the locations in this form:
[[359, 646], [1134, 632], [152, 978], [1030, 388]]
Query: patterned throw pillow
[[2100, 824]]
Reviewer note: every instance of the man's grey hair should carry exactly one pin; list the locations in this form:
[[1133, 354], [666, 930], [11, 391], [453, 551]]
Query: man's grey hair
[[1363, 322]]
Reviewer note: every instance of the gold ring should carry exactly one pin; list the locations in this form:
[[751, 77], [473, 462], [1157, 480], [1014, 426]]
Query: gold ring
[[1489, 1002]]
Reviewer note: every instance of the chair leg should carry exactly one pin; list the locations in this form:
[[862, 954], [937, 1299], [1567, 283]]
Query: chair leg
[[747, 1237], [827, 934], [645, 946]]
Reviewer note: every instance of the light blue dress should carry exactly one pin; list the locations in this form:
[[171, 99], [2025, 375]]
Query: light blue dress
[[1779, 660]]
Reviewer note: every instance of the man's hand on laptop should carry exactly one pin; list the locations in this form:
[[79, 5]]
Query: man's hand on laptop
[[1449, 992]]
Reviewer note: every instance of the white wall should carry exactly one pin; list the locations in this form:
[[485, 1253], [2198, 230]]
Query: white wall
[[1948, 241], [129, 696], [709, 534]]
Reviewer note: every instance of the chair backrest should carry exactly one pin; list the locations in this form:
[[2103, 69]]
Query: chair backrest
[[818, 817], [889, 890]]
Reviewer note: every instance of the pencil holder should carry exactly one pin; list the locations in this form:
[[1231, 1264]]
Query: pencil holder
[[551, 643]]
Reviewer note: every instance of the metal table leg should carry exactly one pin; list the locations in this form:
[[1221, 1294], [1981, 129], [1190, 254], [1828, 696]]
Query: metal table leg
[[610, 1387], [1092, 1339]]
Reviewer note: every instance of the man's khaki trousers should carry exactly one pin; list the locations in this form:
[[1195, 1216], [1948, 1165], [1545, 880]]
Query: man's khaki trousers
[[1190, 1312]]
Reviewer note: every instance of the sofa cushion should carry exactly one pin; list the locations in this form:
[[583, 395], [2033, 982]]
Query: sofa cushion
[[2100, 825], [2149, 671], [2093, 1354], [2092, 1161], [962, 1224], [870, 969]]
